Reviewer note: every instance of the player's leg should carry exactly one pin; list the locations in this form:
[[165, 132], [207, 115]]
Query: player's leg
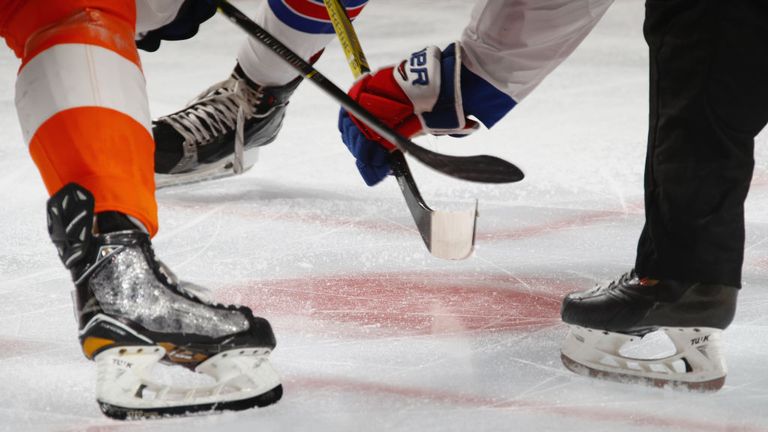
[[93, 112], [219, 132], [83, 110], [708, 101]]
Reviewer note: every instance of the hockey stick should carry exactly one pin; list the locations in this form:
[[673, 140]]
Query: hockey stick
[[447, 235], [482, 168]]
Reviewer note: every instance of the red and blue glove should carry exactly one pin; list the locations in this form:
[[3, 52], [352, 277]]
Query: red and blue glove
[[420, 95]]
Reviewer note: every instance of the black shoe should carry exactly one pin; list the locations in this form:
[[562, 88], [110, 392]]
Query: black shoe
[[218, 134], [133, 313]]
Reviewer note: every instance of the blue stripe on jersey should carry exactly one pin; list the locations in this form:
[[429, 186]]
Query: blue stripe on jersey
[[482, 100], [443, 114], [479, 97], [305, 23]]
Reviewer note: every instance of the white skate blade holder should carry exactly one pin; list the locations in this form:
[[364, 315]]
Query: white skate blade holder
[[124, 390], [216, 170], [696, 364]]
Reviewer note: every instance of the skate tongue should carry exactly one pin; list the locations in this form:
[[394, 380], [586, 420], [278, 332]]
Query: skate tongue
[[203, 293], [239, 74]]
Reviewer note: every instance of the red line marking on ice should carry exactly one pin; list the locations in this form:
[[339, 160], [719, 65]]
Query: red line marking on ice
[[583, 219], [419, 303], [309, 218], [380, 225], [601, 414], [578, 221], [10, 348]]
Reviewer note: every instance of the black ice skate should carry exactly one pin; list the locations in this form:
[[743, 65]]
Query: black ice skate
[[218, 134], [604, 320], [132, 314]]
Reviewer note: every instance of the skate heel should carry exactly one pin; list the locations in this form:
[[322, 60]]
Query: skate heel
[[696, 363], [700, 349], [244, 370]]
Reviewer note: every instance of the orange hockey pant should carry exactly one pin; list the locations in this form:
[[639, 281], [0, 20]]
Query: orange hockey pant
[[81, 99]]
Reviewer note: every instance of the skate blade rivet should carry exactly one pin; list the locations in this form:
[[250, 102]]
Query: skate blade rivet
[[242, 352], [696, 330], [605, 333], [140, 350], [122, 351], [224, 355]]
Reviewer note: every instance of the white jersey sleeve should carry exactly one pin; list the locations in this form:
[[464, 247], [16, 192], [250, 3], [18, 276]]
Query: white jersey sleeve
[[153, 14], [514, 44]]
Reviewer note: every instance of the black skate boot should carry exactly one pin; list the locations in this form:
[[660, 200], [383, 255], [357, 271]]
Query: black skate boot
[[133, 313], [606, 320], [218, 134]]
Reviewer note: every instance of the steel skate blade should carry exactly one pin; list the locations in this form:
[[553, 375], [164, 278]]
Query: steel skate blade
[[244, 379], [580, 369], [125, 413]]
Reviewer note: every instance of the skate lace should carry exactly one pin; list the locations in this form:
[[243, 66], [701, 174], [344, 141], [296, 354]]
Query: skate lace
[[218, 109], [626, 277], [188, 289]]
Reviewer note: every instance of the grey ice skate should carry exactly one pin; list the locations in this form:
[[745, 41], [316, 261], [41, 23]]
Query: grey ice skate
[[133, 313]]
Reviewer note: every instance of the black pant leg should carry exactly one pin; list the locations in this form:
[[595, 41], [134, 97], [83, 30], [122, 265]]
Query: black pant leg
[[708, 100]]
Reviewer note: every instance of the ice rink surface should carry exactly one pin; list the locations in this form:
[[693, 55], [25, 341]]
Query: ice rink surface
[[373, 333]]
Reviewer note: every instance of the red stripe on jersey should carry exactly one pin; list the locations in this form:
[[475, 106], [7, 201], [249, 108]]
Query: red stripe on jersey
[[317, 11]]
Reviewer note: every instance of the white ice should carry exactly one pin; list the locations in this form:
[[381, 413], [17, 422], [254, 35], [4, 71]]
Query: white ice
[[374, 333]]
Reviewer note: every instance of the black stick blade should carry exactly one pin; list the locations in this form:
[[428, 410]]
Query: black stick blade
[[481, 168]]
